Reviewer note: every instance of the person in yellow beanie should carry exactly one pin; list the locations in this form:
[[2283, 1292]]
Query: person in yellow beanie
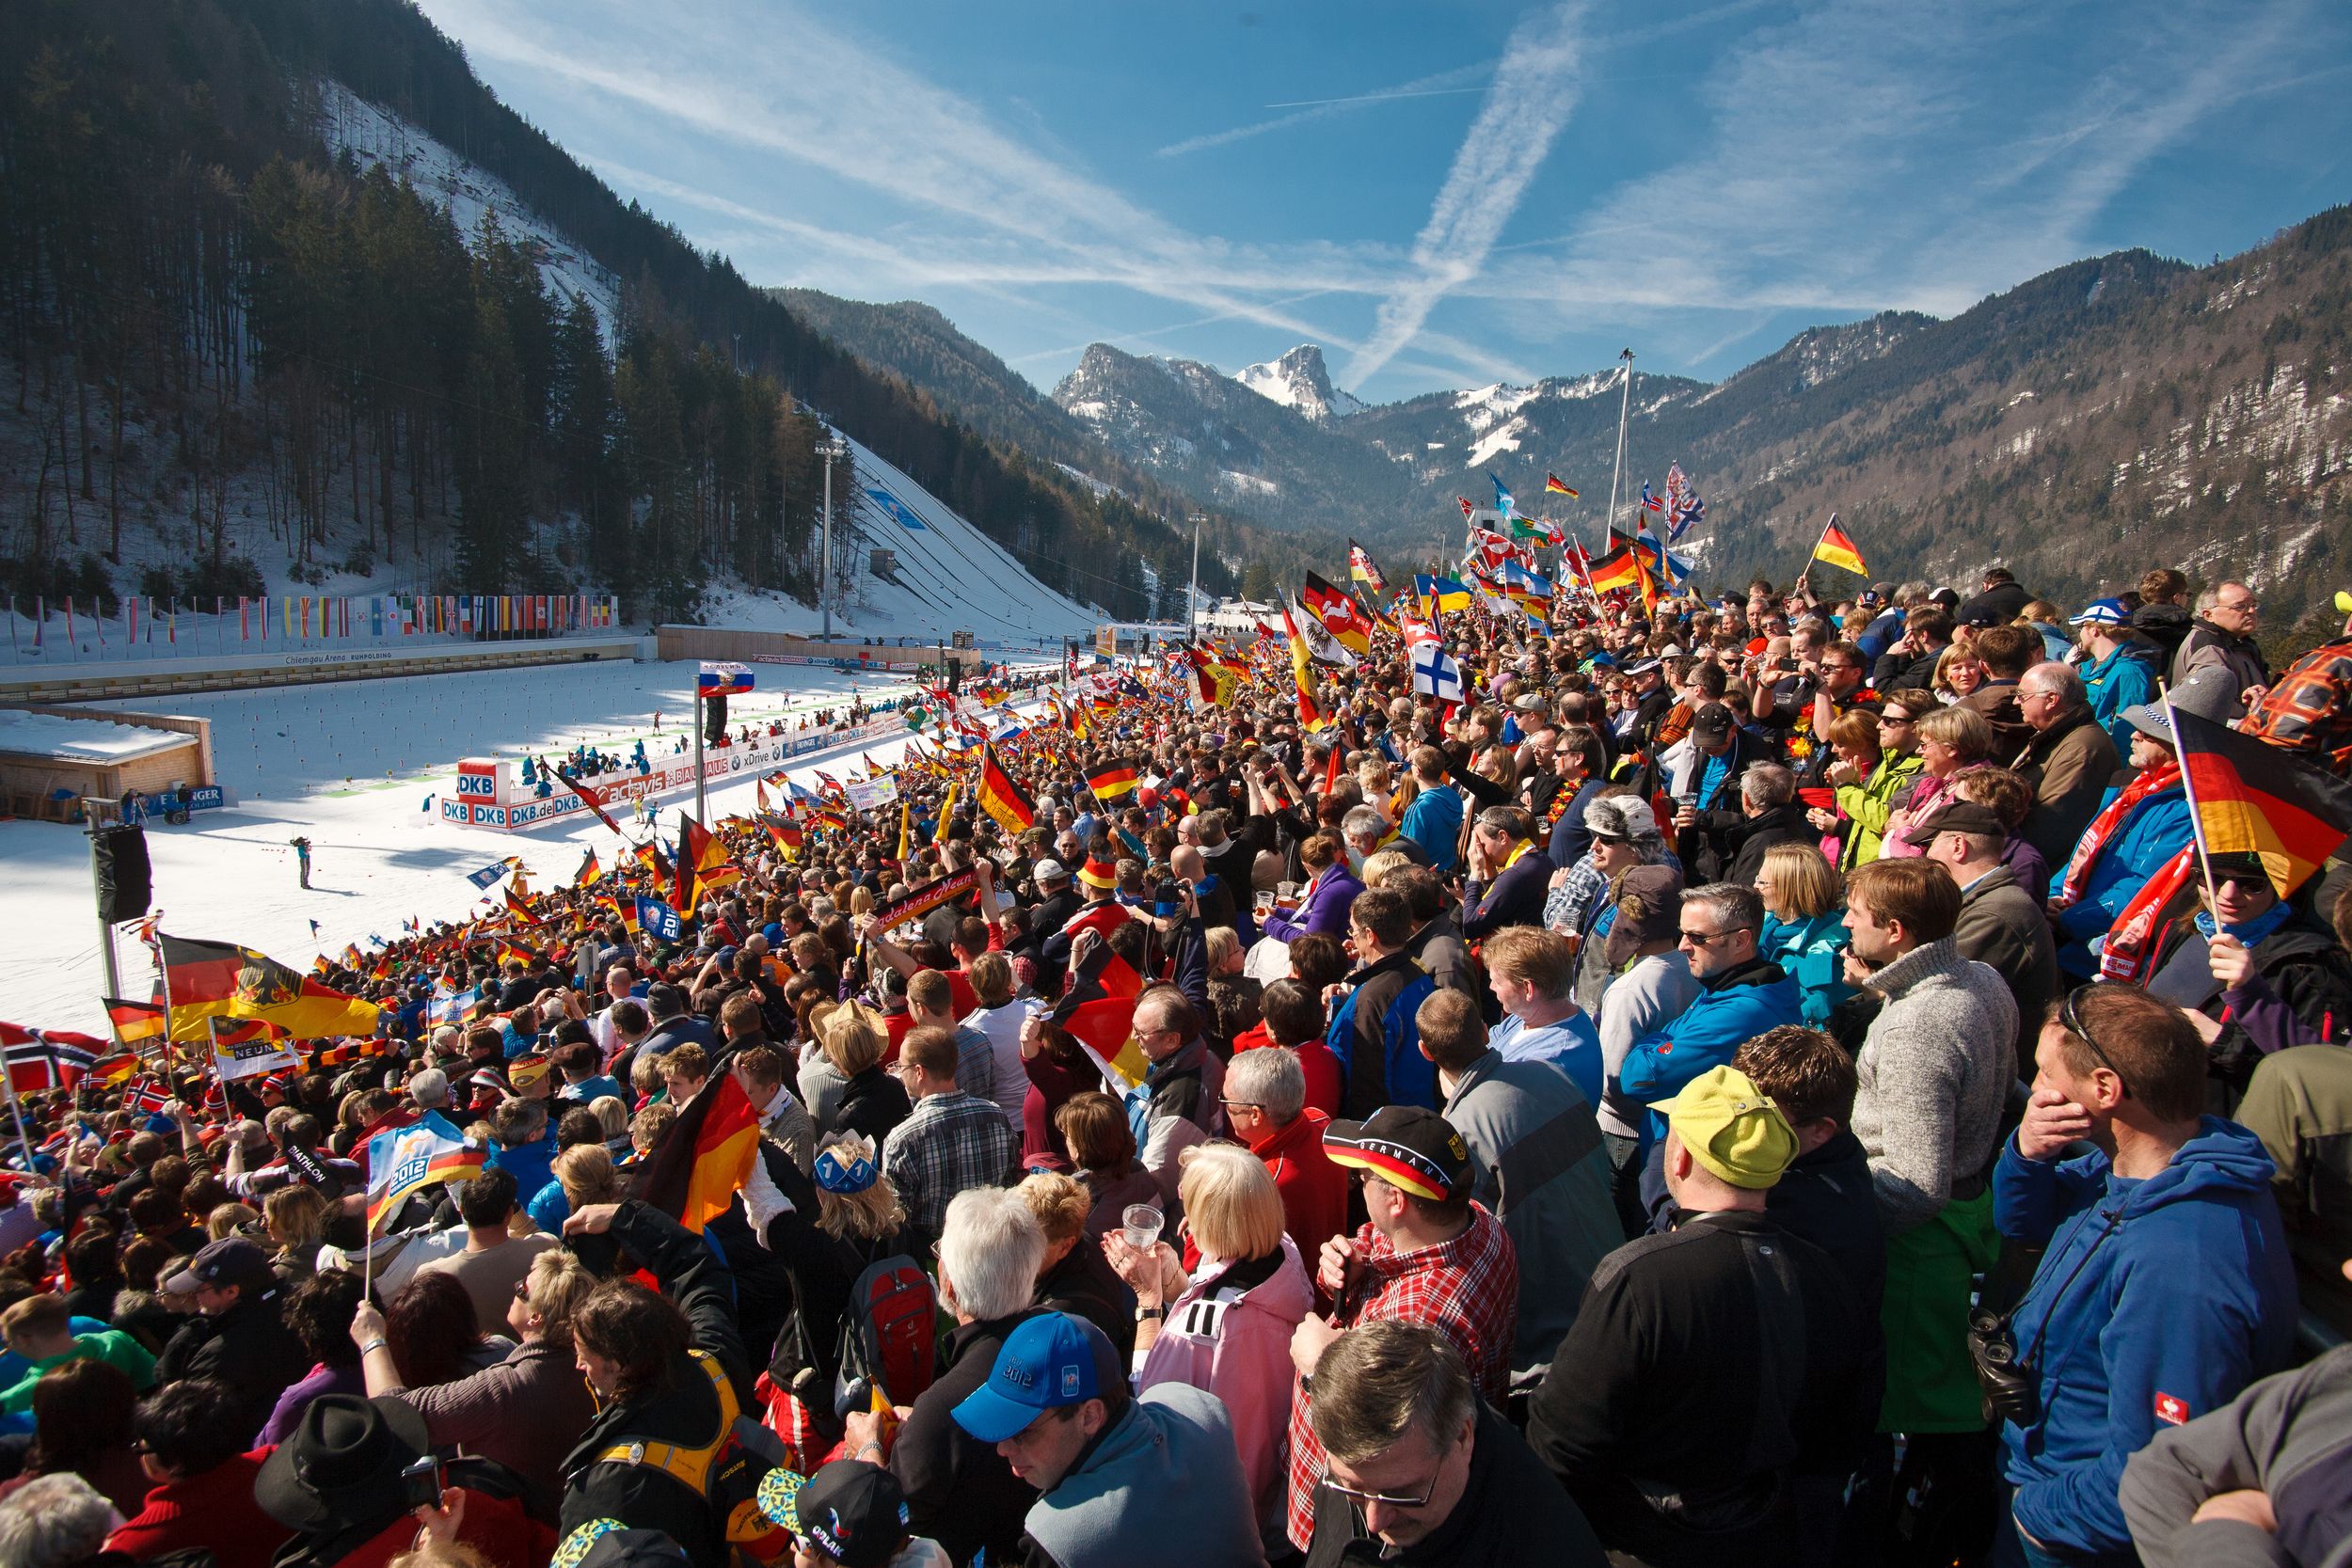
[[1721, 1381]]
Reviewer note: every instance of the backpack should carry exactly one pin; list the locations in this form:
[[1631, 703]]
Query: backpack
[[726, 1472], [888, 1326]]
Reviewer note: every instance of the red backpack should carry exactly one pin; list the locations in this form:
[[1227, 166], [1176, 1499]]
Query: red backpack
[[888, 1327]]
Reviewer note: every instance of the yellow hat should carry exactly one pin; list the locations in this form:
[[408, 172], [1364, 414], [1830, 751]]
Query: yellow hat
[[2343, 602], [1731, 1129]]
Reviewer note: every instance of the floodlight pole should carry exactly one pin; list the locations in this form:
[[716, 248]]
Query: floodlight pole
[[832, 449]]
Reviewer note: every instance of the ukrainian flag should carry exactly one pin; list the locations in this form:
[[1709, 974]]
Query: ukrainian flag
[[1441, 594]]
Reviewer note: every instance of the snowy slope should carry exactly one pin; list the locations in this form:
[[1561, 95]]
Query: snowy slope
[[950, 577], [355, 766]]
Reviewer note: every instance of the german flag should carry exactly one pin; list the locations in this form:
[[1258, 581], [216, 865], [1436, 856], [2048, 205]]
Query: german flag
[[221, 980], [135, 1020], [1623, 567], [1001, 798], [591, 798], [519, 908], [622, 909], [699, 1166], [511, 951], [1113, 779], [2255, 799], [1302, 676], [353, 958], [590, 869], [1553, 486], [1837, 547], [1099, 1012], [650, 855], [702, 864], [786, 834]]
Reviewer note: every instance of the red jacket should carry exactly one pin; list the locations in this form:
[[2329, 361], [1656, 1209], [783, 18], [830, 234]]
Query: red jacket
[[1315, 1062], [1314, 1188], [216, 1509]]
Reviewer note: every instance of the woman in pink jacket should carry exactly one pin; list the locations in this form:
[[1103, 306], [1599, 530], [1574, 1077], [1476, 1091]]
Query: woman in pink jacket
[[1227, 1329]]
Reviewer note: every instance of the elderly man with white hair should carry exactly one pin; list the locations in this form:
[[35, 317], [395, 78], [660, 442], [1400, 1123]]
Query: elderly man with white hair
[[962, 1492], [2069, 761]]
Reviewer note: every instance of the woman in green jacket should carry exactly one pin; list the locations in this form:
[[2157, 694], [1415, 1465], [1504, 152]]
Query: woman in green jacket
[[1878, 756]]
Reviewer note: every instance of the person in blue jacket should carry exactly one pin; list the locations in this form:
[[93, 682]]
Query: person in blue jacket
[[2167, 1287], [1433, 819], [2151, 831], [2120, 672], [1740, 996], [1804, 926]]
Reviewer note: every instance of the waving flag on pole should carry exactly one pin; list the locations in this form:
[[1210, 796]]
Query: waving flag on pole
[[410, 1158], [1361, 568], [1435, 674], [722, 680], [1001, 796], [1552, 487], [1837, 547], [1503, 504]]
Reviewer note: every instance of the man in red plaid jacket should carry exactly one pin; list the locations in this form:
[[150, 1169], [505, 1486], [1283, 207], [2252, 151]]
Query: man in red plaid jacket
[[1430, 1256]]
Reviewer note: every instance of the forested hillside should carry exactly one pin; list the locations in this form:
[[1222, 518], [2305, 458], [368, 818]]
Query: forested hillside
[[235, 356]]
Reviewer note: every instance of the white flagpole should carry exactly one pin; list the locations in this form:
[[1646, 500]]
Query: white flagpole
[[2189, 788], [1624, 407]]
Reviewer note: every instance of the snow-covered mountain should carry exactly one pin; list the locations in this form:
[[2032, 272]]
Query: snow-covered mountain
[[1298, 380]]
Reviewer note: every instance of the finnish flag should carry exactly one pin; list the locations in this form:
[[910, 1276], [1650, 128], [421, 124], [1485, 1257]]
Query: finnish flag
[[1435, 674]]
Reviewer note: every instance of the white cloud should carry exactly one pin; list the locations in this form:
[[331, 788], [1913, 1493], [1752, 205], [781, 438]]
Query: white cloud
[[1535, 90]]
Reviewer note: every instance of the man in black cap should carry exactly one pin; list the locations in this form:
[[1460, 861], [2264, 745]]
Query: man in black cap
[[238, 1336], [1429, 1255], [2001, 925], [1707, 803], [848, 1514]]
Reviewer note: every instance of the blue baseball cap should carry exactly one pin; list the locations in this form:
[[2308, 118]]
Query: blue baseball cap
[[1051, 1361], [2100, 612]]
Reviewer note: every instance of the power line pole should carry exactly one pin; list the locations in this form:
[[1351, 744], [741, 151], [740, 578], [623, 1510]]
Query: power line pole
[[1192, 596]]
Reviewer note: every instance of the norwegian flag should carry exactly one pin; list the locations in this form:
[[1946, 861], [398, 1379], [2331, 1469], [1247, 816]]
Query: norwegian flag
[[146, 1095], [40, 1059], [1650, 503]]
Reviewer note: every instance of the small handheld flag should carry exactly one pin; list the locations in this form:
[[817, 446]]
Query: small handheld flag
[[656, 917], [1837, 547]]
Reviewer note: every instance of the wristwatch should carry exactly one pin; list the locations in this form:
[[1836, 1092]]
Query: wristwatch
[[1152, 1313]]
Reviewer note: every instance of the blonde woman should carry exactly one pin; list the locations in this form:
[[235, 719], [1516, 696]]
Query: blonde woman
[[856, 1218], [296, 1218], [1074, 1277], [1804, 925], [1227, 1328], [871, 1100], [1951, 742], [527, 1411]]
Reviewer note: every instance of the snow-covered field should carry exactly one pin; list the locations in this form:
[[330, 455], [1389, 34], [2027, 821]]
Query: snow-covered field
[[355, 766]]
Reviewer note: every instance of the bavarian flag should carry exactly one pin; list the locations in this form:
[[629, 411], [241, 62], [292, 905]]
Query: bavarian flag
[[2252, 798], [695, 1171], [1001, 798], [221, 980], [1837, 547], [1553, 486], [1112, 780]]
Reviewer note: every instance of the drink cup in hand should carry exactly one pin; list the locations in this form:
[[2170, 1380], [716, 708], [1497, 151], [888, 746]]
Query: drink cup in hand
[[1140, 1225]]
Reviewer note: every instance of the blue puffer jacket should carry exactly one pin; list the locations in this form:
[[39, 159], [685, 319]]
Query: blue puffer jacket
[[2158, 1301], [2125, 678], [1733, 1008], [2150, 835], [1812, 953]]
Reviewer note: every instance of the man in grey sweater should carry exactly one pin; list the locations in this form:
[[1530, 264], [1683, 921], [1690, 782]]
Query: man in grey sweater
[[1935, 1070]]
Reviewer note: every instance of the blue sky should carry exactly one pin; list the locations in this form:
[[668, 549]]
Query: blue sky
[[1441, 195]]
